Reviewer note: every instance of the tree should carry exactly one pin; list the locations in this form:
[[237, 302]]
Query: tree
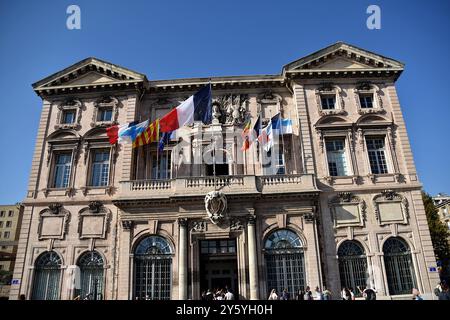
[[438, 231]]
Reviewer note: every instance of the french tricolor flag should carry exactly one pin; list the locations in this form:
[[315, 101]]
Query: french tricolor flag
[[196, 108]]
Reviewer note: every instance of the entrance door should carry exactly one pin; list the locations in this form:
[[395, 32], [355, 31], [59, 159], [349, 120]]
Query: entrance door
[[218, 265]]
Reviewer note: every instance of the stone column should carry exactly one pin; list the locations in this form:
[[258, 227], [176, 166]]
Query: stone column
[[125, 261], [312, 254], [252, 258], [182, 260]]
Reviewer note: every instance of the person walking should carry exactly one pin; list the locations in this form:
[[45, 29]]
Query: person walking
[[345, 294], [352, 294], [368, 293], [228, 294], [445, 292], [273, 295], [285, 295], [300, 295]]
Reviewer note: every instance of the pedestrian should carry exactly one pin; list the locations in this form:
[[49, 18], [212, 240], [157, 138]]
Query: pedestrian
[[416, 294], [308, 294], [300, 295], [326, 294], [273, 295], [228, 294], [445, 293], [209, 295], [285, 295], [22, 297], [319, 294]]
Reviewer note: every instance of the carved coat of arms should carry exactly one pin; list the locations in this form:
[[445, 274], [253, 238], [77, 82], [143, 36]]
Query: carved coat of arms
[[216, 206]]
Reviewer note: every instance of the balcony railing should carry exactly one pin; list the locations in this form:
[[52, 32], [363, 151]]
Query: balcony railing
[[197, 186]]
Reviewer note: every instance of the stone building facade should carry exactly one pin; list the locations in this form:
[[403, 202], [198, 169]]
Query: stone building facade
[[338, 205]]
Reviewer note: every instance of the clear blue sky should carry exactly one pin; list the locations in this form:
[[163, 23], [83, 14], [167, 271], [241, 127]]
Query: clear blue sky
[[174, 39]]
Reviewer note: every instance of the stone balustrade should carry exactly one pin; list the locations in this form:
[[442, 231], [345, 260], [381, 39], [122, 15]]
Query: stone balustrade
[[199, 186]]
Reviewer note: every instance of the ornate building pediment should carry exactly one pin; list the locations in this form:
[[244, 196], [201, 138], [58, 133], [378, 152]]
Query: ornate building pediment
[[216, 206]]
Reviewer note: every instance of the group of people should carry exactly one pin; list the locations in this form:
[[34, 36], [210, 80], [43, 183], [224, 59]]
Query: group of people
[[367, 293], [218, 294], [306, 294]]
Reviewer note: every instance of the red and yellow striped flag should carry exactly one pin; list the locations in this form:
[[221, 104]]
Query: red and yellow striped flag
[[150, 134], [246, 135]]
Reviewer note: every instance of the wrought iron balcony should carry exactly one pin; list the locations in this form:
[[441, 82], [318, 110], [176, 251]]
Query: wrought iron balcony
[[199, 186]]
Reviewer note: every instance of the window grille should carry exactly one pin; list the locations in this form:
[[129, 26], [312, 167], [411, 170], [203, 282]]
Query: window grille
[[352, 265], [100, 168], [152, 269], [399, 266], [91, 275], [285, 264], [377, 155], [63, 164], [337, 163], [46, 279]]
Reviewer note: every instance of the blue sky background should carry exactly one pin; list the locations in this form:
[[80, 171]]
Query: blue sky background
[[177, 39]]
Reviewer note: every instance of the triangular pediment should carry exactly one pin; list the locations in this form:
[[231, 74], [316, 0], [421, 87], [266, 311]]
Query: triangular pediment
[[90, 71], [342, 56]]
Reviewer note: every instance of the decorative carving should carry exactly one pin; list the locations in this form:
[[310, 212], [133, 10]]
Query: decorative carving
[[198, 226], [366, 87], [55, 208], [236, 224], [216, 206], [127, 224], [309, 217], [329, 89], [230, 109], [251, 219], [95, 206]]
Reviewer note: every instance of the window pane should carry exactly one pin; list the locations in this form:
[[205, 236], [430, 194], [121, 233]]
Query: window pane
[[104, 114], [100, 168], [161, 165], [328, 102], [68, 116], [337, 163], [377, 156], [366, 101], [63, 163]]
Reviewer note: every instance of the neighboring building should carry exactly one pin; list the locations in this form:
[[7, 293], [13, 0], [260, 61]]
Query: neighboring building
[[340, 204], [442, 203], [10, 221]]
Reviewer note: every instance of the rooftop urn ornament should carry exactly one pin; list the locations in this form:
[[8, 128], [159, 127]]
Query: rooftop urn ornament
[[216, 206]]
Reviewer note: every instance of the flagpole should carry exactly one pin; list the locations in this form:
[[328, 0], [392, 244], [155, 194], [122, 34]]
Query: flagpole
[[282, 137], [292, 144]]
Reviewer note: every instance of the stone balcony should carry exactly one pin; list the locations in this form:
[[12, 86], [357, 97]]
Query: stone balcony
[[200, 186]]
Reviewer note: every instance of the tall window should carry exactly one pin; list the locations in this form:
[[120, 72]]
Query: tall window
[[63, 162], [337, 164], [352, 265], [68, 116], [161, 165], [100, 167], [285, 263], [8, 224], [399, 266], [104, 114], [2, 213], [366, 101], [328, 102], [91, 275], [10, 213], [46, 279], [377, 155], [153, 269]]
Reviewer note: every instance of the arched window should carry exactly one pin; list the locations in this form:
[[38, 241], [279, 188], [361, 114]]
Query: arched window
[[285, 263], [352, 265], [91, 275], [152, 269], [47, 273], [399, 266]]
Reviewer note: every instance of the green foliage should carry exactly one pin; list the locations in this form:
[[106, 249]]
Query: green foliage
[[438, 230]]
